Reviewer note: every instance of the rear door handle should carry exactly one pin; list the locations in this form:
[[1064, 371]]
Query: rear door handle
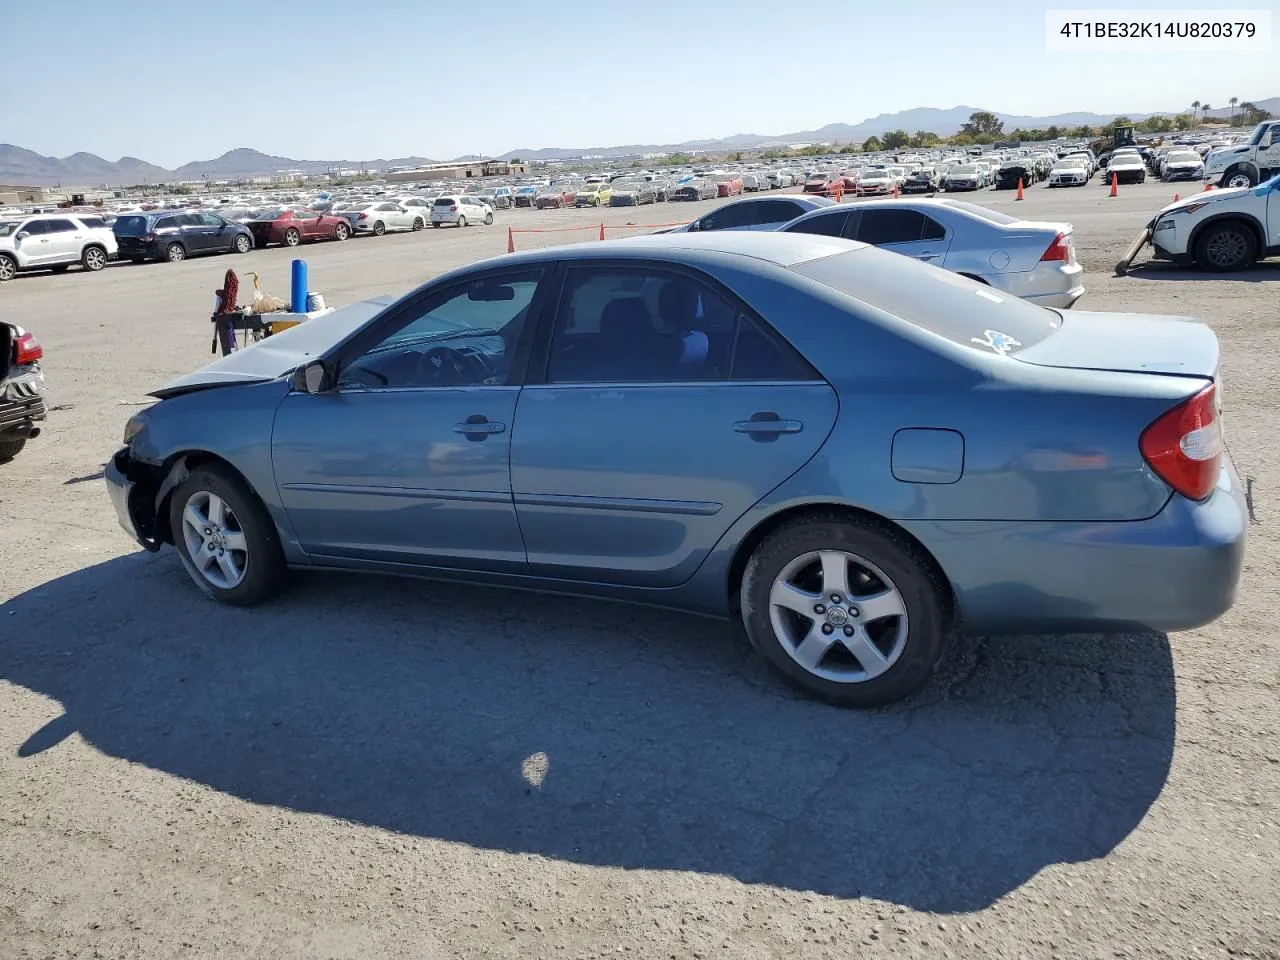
[[766, 426], [478, 427]]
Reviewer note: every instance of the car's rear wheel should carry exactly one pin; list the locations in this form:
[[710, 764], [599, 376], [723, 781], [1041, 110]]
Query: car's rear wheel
[[8, 268], [462, 221], [849, 612], [11, 448], [379, 228], [1224, 247], [417, 223], [488, 218], [226, 540], [93, 259], [435, 224], [341, 232], [292, 237], [242, 243], [175, 253]]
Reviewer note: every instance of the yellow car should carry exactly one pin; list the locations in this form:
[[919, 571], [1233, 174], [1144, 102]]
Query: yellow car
[[593, 195]]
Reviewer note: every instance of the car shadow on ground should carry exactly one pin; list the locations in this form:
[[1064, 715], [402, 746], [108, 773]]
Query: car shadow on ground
[[1266, 271], [603, 734]]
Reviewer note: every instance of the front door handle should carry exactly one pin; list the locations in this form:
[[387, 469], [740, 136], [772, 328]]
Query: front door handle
[[766, 426], [478, 427]]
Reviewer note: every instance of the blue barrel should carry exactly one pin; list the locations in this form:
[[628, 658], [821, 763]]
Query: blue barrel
[[298, 294]]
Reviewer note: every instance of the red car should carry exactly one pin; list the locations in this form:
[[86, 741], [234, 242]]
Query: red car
[[292, 227], [824, 184], [728, 186]]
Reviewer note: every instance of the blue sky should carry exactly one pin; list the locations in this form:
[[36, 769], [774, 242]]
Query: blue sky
[[326, 80]]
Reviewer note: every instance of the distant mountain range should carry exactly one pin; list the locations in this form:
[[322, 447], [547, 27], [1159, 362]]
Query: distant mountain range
[[21, 166]]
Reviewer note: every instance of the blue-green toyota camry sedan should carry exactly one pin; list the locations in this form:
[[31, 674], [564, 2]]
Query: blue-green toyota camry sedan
[[849, 451]]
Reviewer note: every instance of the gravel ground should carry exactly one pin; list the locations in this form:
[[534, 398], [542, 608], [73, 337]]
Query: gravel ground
[[381, 768]]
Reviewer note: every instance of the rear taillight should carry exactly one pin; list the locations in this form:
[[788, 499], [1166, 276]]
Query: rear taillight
[[362, 216], [1058, 250], [1184, 446], [27, 350]]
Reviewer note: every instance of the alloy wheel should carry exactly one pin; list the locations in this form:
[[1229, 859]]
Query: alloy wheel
[[94, 259], [1227, 248], [215, 540], [838, 616]]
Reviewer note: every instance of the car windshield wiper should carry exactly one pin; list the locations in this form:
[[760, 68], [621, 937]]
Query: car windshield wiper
[[440, 338]]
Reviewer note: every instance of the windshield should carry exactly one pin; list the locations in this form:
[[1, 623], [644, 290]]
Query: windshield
[[1183, 156], [964, 168], [991, 216], [962, 310], [1259, 132]]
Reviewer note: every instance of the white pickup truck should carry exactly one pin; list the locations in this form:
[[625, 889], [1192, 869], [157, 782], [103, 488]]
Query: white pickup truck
[[1247, 164]]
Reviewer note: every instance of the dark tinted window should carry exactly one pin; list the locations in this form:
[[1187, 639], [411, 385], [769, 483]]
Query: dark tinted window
[[94, 223], [305, 215], [641, 324], [60, 226], [933, 230], [777, 211], [890, 226], [463, 336], [731, 215], [191, 220], [444, 202], [762, 355], [955, 307], [35, 227], [826, 225], [209, 220], [130, 226], [168, 223]]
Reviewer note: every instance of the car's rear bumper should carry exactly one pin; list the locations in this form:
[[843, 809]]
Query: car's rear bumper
[[1175, 571], [21, 402]]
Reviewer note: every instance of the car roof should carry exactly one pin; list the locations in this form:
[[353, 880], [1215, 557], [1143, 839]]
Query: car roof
[[780, 249]]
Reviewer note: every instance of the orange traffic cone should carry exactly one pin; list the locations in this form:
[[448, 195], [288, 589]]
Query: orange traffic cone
[[1208, 187], [602, 231], [1115, 180], [511, 241], [1019, 196], [1176, 198]]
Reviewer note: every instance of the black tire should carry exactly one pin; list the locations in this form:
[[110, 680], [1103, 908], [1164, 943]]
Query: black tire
[[488, 219], [379, 228], [11, 448], [341, 232], [292, 237], [93, 258], [175, 253], [1238, 174], [1226, 246], [263, 567], [8, 268], [923, 598], [435, 224], [418, 224], [242, 243]]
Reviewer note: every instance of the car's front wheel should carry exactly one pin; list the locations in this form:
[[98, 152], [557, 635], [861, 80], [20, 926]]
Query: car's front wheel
[[226, 540], [848, 612], [418, 224], [488, 218], [341, 232], [1238, 178], [1224, 247], [8, 268]]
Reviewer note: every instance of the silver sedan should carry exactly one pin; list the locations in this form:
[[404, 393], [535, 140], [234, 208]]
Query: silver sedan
[[1031, 259]]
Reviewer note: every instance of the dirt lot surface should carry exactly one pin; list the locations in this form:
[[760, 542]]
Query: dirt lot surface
[[379, 768]]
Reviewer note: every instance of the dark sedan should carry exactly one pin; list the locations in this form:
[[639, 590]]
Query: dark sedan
[[1009, 175], [174, 235]]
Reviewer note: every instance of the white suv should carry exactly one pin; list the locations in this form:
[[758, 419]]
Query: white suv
[[461, 209], [1220, 230], [54, 241]]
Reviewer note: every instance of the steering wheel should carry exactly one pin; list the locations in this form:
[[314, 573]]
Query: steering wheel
[[449, 367]]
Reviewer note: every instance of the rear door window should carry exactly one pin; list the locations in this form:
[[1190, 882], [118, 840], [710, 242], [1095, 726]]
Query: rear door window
[[827, 225], [881, 227], [168, 223], [61, 226]]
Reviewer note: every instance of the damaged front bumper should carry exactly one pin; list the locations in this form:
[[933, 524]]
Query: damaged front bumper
[[138, 491]]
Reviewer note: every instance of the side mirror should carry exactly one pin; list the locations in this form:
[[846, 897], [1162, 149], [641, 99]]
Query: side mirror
[[23, 235], [312, 377]]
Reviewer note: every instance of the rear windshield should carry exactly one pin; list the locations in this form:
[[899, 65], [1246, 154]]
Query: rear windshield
[[444, 201], [130, 226], [962, 310]]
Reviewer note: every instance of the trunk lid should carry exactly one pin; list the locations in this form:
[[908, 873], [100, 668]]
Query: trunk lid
[[1128, 343]]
